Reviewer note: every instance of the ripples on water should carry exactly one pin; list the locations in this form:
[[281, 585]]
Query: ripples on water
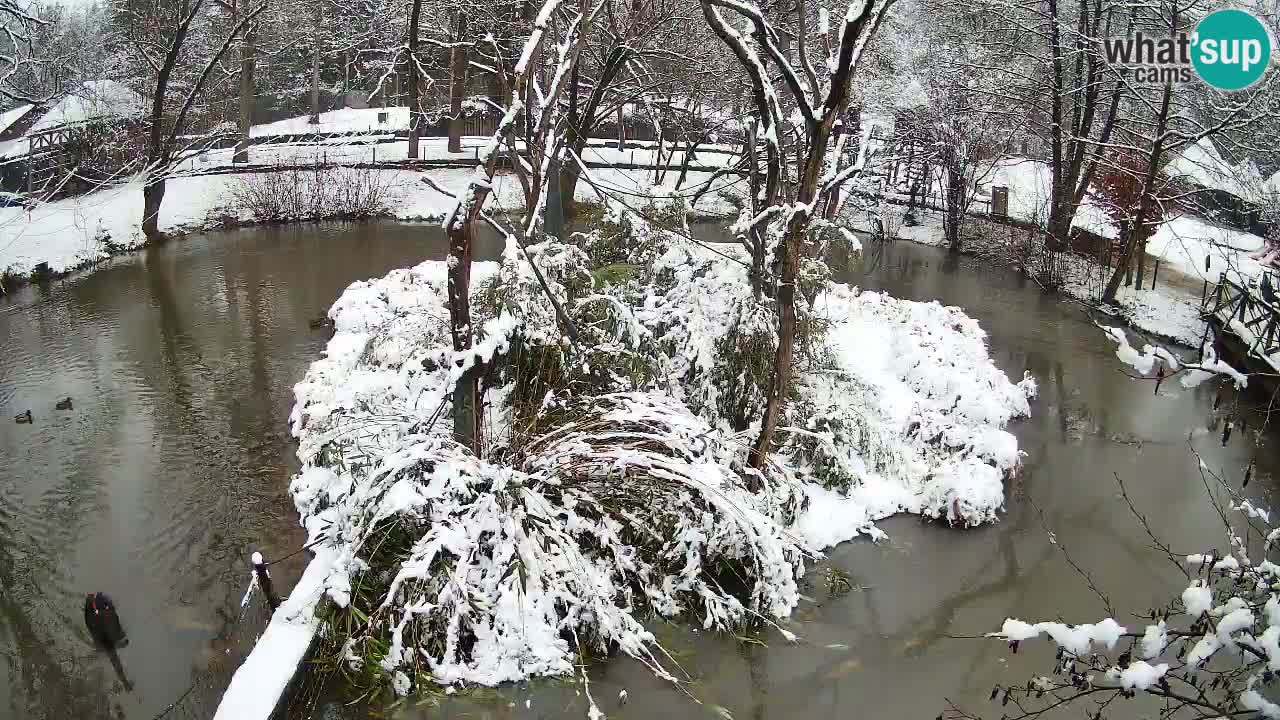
[[174, 460], [176, 457], [883, 649]]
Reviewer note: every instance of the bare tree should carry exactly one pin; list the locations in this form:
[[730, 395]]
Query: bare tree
[[546, 133], [317, 29], [20, 23], [1048, 73], [619, 68], [782, 210], [1161, 122], [159, 36], [415, 87], [457, 80]]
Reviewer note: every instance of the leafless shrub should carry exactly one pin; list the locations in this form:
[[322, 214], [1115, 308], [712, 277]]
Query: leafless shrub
[[317, 192]]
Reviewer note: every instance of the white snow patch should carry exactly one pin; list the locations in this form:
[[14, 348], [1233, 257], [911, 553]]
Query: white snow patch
[[1197, 599], [1141, 675]]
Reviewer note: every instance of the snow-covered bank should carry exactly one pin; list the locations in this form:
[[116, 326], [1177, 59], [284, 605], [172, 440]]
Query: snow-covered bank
[[614, 482], [1169, 311], [1181, 242], [259, 683], [76, 232]]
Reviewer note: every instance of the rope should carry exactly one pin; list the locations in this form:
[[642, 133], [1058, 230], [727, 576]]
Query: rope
[[177, 702], [308, 546]]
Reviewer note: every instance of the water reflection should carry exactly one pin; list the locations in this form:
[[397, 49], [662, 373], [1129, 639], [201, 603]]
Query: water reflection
[[889, 647], [174, 460]]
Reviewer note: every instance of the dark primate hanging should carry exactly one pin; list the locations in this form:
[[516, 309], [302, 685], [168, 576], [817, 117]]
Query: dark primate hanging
[[103, 621]]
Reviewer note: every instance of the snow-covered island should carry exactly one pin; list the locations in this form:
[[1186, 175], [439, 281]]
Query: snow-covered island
[[527, 458], [614, 483]]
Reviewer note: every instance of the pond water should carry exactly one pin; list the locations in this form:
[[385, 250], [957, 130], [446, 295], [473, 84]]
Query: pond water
[[892, 645], [174, 462]]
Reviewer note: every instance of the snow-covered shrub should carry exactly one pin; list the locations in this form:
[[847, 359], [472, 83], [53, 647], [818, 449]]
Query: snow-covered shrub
[[615, 485], [745, 357], [666, 210], [715, 337], [618, 238], [836, 246], [831, 439], [611, 352], [459, 570], [909, 395]]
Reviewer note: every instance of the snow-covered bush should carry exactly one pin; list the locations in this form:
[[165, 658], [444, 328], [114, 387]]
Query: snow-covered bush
[[465, 571], [618, 237], [456, 569], [613, 485]]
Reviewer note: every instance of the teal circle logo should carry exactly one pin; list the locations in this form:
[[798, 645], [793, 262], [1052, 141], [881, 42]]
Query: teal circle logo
[[1230, 49]]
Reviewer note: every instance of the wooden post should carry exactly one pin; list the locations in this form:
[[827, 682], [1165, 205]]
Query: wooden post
[[1000, 201], [622, 129], [264, 580]]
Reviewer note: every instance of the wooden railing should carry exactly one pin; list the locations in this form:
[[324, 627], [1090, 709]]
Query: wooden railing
[[1242, 311]]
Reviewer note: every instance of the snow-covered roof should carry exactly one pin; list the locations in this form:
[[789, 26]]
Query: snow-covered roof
[[93, 100], [1202, 165], [1272, 184], [9, 117]]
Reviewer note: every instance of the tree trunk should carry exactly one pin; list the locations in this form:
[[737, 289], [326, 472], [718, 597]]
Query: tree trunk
[[248, 61], [784, 357], [317, 18], [414, 101], [622, 129], [1139, 228], [1061, 214], [955, 210], [1142, 261], [466, 396], [755, 239], [152, 197], [582, 122], [457, 83]]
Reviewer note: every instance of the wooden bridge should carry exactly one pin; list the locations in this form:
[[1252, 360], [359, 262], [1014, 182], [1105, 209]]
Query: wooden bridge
[[1246, 319]]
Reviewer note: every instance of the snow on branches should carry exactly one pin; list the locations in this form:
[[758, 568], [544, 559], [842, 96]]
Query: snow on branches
[[1163, 363], [1211, 651], [614, 484]]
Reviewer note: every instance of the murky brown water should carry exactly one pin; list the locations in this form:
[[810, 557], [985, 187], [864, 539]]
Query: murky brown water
[[885, 648], [176, 457], [174, 460]]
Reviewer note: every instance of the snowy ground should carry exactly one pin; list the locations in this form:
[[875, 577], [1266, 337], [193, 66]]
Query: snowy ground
[[72, 233], [1171, 309], [1186, 242], [1182, 242]]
